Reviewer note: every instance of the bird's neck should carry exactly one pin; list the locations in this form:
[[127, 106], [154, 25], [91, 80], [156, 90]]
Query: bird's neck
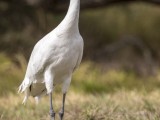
[[71, 20]]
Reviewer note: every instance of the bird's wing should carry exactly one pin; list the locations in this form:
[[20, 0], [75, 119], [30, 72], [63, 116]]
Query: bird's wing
[[43, 54]]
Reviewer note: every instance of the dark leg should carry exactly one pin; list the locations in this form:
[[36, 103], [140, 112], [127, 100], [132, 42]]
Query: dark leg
[[61, 113], [52, 113]]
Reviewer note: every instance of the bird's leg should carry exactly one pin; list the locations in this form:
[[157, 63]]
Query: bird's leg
[[61, 113], [52, 113]]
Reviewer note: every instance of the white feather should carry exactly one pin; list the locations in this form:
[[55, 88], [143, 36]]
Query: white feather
[[55, 56]]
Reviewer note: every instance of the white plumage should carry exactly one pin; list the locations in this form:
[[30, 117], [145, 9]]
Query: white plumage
[[55, 57]]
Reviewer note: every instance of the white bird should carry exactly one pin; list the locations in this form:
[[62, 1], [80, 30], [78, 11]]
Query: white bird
[[54, 59]]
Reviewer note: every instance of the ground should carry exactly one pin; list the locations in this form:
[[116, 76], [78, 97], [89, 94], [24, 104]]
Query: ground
[[94, 94], [121, 105]]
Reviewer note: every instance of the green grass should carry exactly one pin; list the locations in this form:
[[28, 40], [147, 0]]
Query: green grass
[[94, 94], [10, 74], [91, 79]]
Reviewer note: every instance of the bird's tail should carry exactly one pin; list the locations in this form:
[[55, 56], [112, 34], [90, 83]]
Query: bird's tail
[[24, 87], [20, 89], [32, 89]]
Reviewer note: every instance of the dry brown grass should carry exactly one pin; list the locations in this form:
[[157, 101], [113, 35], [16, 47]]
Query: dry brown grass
[[122, 105]]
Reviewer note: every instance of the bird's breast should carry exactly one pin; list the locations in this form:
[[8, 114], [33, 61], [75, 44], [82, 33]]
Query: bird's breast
[[69, 54]]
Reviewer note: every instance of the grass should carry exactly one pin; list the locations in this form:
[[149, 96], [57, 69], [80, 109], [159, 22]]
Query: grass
[[121, 105], [94, 94], [10, 74], [91, 79]]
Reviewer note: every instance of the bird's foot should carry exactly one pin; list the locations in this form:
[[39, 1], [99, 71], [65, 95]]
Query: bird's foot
[[61, 114], [52, 115]]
